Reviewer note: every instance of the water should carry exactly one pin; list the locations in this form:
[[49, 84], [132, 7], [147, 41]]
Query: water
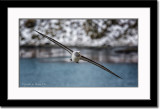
[[43, 72]]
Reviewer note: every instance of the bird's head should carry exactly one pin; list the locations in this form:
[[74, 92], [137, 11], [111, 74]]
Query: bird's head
[[77, 54]]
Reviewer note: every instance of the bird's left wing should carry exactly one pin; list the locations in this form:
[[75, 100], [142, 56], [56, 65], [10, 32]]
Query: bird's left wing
[[99, 65], [56, 42]]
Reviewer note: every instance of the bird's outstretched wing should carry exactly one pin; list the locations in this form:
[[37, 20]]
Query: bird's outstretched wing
[[56, 42], [99, 65]]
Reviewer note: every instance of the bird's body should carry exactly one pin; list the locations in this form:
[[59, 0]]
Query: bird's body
[[76, 56]]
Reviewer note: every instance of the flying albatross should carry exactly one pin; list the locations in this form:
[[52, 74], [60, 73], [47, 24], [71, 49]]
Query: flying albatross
[[76, 56]]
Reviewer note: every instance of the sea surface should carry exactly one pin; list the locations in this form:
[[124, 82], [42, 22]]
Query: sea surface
[[47, 72]]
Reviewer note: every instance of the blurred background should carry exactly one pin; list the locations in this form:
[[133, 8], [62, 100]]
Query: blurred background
[[110, 42]]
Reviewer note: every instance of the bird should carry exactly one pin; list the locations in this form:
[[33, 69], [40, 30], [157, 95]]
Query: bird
[[76, 55]]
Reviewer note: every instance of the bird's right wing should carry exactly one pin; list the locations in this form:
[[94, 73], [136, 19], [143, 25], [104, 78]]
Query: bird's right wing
[[56, 42], [99, 65]]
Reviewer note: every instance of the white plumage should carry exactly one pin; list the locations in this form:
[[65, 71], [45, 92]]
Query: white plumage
[[74, 56]]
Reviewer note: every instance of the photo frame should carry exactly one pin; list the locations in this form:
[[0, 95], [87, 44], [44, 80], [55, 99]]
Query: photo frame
[[76, 96]]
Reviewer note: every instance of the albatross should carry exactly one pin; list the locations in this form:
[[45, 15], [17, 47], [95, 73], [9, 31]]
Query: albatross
[[76, 56]]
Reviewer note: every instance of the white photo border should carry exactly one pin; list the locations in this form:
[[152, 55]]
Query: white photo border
[[142, 92]]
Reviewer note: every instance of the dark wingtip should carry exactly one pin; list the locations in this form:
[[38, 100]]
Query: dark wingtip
[[35, 31], [119, 77], [41, 33]]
